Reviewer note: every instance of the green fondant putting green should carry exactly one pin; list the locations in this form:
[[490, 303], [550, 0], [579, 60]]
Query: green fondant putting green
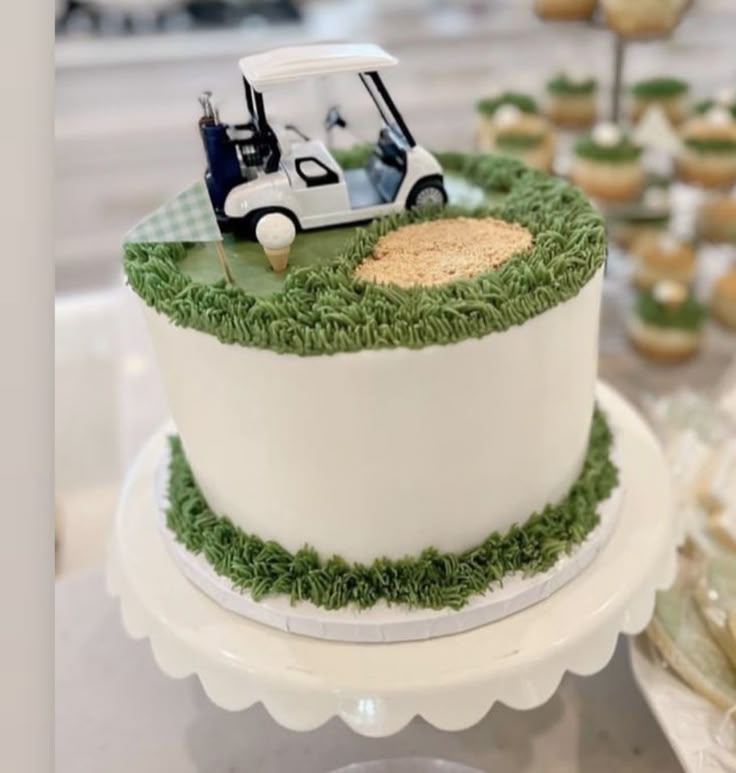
[[325, 309], [431, 580]]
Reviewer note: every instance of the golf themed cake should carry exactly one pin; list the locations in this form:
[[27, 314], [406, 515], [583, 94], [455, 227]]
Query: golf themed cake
[[381, 369]]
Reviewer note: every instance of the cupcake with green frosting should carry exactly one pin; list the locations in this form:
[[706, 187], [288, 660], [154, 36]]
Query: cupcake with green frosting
[[707, 155], [509, 124], [667, 93], [649, 215], [726, 98], [607, 164], [571, 100], [666, 323]]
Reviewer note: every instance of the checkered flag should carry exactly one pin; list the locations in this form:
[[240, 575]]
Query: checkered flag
[[187, 218]]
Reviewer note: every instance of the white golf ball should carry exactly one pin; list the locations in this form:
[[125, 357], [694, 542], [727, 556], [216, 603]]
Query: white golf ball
[[275, 231]]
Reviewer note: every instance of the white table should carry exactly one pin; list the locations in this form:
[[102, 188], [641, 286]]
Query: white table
[[118, 714]]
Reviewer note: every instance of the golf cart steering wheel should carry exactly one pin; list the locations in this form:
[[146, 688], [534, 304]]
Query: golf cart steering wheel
[[333, 119]]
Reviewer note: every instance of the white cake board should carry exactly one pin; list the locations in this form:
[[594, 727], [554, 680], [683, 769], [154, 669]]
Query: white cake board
[[383, 623], [451, 681]]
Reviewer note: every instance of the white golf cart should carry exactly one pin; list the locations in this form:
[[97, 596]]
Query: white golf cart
[[258, 167]]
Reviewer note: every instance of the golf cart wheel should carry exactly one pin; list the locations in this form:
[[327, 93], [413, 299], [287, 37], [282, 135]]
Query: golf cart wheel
[[428, 192], [247, 226]]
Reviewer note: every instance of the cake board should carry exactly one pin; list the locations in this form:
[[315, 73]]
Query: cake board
[[377, 689]]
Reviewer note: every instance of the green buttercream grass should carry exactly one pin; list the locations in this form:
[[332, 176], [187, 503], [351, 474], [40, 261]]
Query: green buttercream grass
[[624, 151], [659, 88], [707, 104], [517, 141], [326, 309], [689, 315], [561, 84], [431, 580], [524, 102], [711, 144]]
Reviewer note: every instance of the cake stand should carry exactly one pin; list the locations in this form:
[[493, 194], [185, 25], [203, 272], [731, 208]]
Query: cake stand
[[378, 688]]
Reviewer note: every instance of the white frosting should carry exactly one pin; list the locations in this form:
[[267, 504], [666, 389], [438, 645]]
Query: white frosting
[[607, 135], [669, 293], [719, 116], [507, 115], [387, 452]]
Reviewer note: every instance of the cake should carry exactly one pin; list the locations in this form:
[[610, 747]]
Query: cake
[[571, 100], [642, 17], [716, 219], [647, 216], [723, 299], [666, 323], [510, 124], [662, 257], [565, 9], [667, 93], [607, 164], [408, 418], [708, 153]]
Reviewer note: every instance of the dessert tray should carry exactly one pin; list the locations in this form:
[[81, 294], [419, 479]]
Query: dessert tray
[[450, 681]]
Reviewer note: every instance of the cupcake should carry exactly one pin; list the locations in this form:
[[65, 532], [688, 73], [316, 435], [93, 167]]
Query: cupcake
[[716, 219], [642, 17], [662, 257], [666, 323], [726, 98], [649, 215], [723, 299], [607, 164], [670, 94], [708, 153], [565, 9], [571, 100], [511, 126]]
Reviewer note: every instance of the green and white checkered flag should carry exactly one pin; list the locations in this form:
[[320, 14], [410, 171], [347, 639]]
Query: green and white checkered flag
[[187, 218]]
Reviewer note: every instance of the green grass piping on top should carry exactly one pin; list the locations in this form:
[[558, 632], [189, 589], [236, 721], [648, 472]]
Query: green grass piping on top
[[516, 141], [525, 103], [706, 104], [326, 309], [625, 151], [431, 580], [561, 84], [711, 144], [659, 88], [689, 315]]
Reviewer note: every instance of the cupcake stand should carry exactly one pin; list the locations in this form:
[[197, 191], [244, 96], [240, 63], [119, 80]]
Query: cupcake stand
[[376, 689]]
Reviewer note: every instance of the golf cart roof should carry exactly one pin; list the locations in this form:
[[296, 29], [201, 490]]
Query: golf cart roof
[[284, 65]]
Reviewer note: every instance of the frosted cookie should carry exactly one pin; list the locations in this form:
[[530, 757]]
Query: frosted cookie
[[723, 299], [681, 636], [571, 100], [708, 153], [666, 323], [669, 94], [607, 164], [662, 257]]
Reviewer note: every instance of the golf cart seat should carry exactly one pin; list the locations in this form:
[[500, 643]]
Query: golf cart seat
[[376, 183]]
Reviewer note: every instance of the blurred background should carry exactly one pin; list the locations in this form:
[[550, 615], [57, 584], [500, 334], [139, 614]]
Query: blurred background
[[128, 73]]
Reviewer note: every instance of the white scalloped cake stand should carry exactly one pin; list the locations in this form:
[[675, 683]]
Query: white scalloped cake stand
[[377, 688]]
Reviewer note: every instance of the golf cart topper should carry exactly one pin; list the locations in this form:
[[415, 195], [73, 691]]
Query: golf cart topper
[[285, 65], [262, 167]]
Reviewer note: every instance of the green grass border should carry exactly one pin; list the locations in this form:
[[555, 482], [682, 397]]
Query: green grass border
[[662, 87], [431, 580], [624, 152], [689, 315], [562, 85], [326, 309]]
